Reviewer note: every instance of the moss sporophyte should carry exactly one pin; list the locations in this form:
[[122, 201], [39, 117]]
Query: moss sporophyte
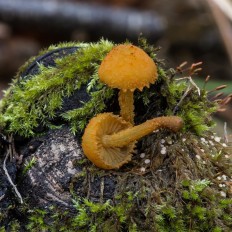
[[179, 176]]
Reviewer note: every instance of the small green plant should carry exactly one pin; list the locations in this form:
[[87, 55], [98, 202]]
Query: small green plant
[[194, 188], [28, 165], [38, 221]]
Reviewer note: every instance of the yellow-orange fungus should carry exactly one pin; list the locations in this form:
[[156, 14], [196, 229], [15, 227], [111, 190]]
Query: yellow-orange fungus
[[108, 140], [127, 68], [102, 156], [130, 134]]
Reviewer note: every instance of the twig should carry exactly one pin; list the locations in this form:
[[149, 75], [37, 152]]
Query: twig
[[182, 98], [225, 6], [102, 189], [192, 82], [1, 197], [9, 178], [223, 24], [225, 133], [206, 81], [187, 91]]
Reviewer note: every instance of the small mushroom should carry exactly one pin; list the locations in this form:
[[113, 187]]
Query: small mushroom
[[106, 157], [109, 140], [127, 68]]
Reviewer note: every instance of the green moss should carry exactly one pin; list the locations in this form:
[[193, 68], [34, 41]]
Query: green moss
[[177, 96], [178, 191], [89, 216], [132, 212], [35, 100]]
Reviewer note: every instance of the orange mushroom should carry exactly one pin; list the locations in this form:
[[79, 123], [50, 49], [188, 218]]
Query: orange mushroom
[[109, 140], [106, 157], [127, 68]]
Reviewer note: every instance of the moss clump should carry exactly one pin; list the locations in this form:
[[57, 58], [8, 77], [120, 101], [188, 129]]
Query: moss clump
[[176, 191], [176, 182], [35, 99]]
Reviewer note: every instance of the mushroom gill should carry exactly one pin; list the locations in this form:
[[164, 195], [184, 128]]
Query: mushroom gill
[[106, 157]]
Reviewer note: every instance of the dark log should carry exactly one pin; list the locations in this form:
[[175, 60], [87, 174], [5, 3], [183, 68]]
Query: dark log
[[103, 21]]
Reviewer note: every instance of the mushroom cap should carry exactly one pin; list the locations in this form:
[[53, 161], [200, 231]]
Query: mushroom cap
[[127, 67], [106, 157]]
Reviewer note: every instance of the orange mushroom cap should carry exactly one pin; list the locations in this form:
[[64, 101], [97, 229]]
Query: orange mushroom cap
[[127, 67], [102, 156]]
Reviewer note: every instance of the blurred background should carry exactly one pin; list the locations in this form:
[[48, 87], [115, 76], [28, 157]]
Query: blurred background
[[190, 30]]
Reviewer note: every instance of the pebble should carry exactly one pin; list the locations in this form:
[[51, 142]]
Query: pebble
[[147, 161], [142, 155], [211, 143], [223, 194], [198, 157], [224, 177], [163, 151], [217, 139], [203, 140], [162, 141]]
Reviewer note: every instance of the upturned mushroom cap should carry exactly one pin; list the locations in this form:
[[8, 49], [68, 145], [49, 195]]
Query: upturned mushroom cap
[[101, 156], [127, 67]]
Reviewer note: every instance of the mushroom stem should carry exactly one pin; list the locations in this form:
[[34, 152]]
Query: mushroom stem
[[126, 103], [129, 135]]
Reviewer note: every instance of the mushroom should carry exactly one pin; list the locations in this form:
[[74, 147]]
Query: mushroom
[[127, 68], [103, 156], [109, 140]]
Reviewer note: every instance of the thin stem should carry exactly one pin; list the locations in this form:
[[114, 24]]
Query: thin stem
[[126, 103], [9, 178], [129, 135]]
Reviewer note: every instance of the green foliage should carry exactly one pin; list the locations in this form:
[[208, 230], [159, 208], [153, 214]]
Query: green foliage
[[14, 226], [28, 165], [194, 188], [78, 118], [179, 97], [225, 203], [37, 222], [35, 100], [195, 109], [89, 216], [204, 215], [168, 219]]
